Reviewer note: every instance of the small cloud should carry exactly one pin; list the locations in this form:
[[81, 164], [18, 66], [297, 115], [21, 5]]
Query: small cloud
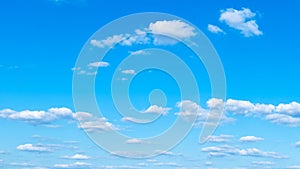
[[158, 110], [73, 165], [33, 148], [220, 139], [77, 157], [250, 139], [91, 123], [214, 29], [139, 52], [241, 20], [136, 141], [297, 144], [98, 64], [129, 71]]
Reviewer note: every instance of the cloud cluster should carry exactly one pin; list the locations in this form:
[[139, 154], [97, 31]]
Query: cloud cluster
[[285, 114], [226, 150], [37, 117], [90, 123], [241, 20], [161, 30]]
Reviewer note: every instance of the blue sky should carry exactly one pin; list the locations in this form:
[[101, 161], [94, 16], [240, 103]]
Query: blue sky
[[257, 42]]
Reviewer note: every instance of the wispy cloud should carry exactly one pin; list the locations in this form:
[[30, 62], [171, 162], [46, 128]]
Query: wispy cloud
[[214, 29], [226, 150], [250, 139], [33, 148], [77, 157]]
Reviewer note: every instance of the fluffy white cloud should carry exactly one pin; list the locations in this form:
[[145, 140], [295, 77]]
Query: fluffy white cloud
[[215, 111], [226, 150], [129, 71], [283, 119], [33, 148], [90, 123], [37, 117], [250, 139], [173, 28], [220, 139], [239, 106], [158, 110], [214, 29], [77, 157], [292, 108], [241, 20]]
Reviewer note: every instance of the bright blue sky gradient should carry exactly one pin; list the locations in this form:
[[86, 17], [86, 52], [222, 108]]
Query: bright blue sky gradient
[[41, 40]]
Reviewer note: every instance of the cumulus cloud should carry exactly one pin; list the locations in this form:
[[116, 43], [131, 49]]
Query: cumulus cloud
[[37, 117], [284, 114], [90, 123], [227, 150], [77, 157], [176, 28], [157, 110], [241, 20], [188, 110], [214, 29], [250, 139], [33, 148]]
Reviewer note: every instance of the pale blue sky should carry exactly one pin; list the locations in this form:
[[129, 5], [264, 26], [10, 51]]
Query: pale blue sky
[[257, 42]]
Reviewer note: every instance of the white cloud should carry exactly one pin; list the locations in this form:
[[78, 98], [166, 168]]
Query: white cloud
[[109, 41], [214, 29], [173, 28], [137, 141], [189, 109], [77, 157], [283, 119], [73, 165], [139, 52], [33, 148], [157, 110], [239, 106], [292, 108], [139, 37], [250, 139], [37, 117], [128, 71], [226, 150], [90, 123], [220, 139], [297, 144], [98, 64], [241, 20]]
